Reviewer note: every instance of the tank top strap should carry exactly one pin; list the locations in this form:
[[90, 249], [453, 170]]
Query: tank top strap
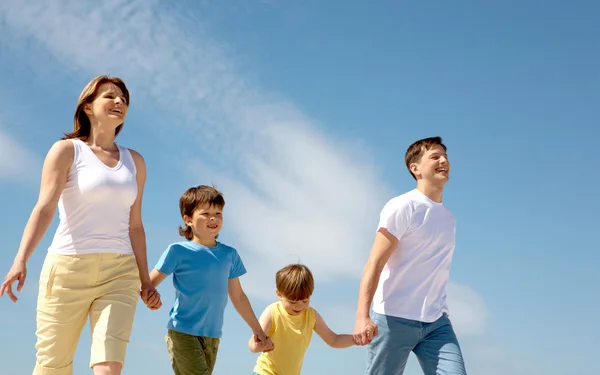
[[77, 151], [127, 158]]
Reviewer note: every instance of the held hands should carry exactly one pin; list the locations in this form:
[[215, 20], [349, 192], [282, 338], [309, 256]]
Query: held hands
[[263, 342], [364, 331], [18, 271], [150, 296]]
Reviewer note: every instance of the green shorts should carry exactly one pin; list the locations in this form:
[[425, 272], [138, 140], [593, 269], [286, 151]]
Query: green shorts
[[192, 355]]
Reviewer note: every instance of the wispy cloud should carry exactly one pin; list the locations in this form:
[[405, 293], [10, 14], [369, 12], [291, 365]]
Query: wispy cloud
[[291, 190], [469, 314], [17, 163]]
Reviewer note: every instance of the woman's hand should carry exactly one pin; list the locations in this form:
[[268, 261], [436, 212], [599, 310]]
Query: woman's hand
[[150, 296], [18, 271]]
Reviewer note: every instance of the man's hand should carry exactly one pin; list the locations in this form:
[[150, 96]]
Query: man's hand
[[150, 296], [364, 331]]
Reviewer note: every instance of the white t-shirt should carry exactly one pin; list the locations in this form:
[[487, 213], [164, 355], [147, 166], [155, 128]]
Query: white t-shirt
[[413, 282]]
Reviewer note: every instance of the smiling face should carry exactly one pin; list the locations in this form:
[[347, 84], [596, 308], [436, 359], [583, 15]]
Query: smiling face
[[109, 107], [427, 161], [206, 221], [434, 166]]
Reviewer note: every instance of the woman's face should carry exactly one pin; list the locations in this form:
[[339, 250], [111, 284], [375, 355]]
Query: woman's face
[[109, 107]]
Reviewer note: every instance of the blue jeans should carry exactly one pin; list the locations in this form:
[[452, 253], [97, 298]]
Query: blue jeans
[[434, 344]]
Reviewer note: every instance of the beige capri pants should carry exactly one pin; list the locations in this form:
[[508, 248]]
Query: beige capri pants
[[103, 286]]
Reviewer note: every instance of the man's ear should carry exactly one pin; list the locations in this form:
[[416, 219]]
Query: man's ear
[[414, 168]]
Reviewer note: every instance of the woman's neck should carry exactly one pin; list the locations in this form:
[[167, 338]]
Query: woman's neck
[[101, 137]]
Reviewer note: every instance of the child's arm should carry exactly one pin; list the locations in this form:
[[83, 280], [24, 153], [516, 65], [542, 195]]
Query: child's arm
[[331, 338], [265, 322], [157, 277], [240, 301]]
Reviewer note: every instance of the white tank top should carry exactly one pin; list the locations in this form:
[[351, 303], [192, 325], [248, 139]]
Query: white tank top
[[95, 204]]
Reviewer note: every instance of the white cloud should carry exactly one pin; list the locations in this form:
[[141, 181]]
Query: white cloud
[[17, 163], [312, 197], [468, 311], [291, 191]]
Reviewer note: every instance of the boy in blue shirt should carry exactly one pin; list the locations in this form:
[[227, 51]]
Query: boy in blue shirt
[[205, 272]]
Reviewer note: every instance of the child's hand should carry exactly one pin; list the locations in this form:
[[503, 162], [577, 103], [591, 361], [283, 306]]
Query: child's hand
[[364, 331], [150, 296], [269, 346], [263, 342], [369, 333]]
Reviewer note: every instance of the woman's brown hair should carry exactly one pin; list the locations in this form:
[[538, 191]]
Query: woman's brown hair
[[81, 122]]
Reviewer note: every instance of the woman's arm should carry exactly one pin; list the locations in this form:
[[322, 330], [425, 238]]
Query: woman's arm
[[54, 178], [137, 236]]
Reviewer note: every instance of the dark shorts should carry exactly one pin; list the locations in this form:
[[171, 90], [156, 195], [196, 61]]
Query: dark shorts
[[192, 355]]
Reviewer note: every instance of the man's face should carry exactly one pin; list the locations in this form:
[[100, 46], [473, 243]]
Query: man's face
[[433, 167]]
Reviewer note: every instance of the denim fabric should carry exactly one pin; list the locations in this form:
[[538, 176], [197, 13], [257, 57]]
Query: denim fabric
[[434, 344]]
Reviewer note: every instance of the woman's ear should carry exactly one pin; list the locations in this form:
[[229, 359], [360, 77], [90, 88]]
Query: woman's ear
[[87, 108]]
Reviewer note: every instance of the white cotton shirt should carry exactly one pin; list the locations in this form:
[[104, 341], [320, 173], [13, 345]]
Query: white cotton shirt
[[412, 284], [94, 207]]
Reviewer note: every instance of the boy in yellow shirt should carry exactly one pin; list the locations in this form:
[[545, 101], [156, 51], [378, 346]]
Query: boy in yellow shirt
[[290, 323]]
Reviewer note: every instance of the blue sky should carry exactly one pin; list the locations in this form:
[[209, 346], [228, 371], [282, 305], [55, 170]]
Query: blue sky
[[301, 113]]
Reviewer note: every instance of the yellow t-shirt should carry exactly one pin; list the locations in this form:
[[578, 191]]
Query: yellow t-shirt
[[291, 336]]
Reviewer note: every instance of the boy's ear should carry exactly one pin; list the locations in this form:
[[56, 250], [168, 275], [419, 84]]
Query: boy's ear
[[187, 220], [278, 294]]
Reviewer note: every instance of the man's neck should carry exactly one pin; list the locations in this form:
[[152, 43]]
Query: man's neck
[[432, 192]]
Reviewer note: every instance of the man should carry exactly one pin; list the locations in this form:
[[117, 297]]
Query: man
[[407, 272]]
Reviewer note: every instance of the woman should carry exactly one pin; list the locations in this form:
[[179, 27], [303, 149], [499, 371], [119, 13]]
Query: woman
[[96, 264]]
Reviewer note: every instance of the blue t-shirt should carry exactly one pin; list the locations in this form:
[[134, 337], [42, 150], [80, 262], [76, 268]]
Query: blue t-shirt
[[200, 278]]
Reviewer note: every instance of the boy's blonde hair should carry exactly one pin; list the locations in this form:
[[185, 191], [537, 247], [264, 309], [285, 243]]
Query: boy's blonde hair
[[295, 282]]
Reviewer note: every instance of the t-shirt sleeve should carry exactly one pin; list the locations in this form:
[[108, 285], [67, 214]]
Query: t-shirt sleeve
[[168, 261], [237, 266], [395, 217]]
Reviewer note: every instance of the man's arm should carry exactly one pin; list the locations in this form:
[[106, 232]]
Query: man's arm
[[382, 249]]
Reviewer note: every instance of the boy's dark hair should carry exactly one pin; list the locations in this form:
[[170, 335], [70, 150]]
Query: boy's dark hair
[[417, 149], [194, 197], [295, 282]]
